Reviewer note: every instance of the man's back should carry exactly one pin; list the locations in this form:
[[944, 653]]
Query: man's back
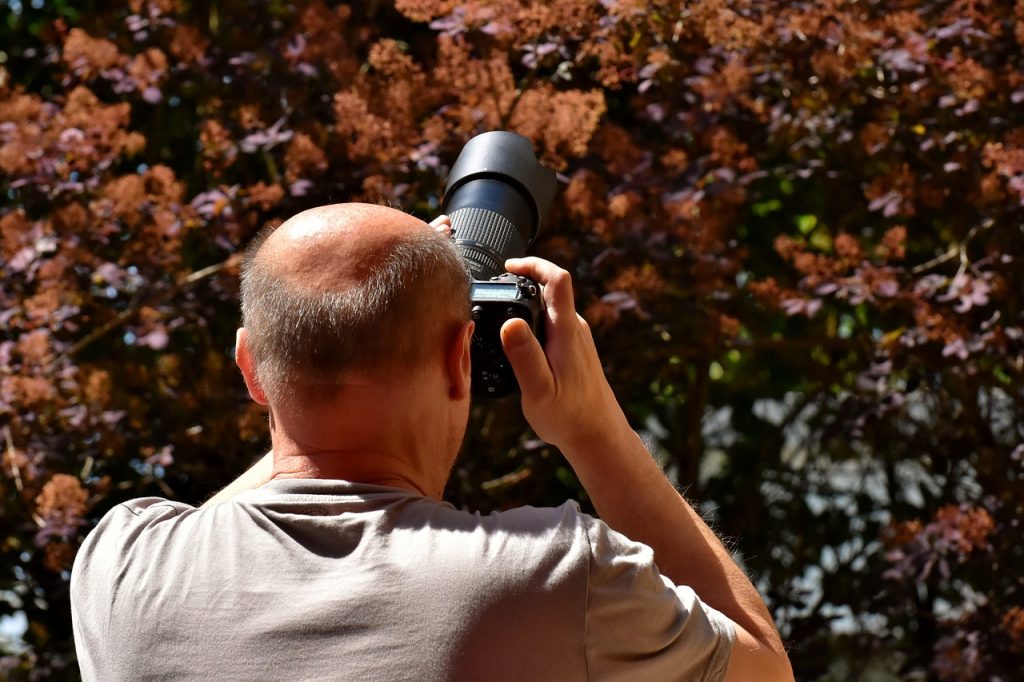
[[322, 579]]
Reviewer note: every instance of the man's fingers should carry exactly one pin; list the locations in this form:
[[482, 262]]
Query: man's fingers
[[442, 224], [537, 269], [556, 281], [528, 360]]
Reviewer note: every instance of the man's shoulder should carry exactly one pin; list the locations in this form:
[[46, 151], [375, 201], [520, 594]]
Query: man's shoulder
[[141, 511], [522, 540], [112, 540], [152, 505], [565, 516], [525, 521], [568, 518], [122, 525]]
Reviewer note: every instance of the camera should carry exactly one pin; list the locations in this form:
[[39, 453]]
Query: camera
[[496, 196]]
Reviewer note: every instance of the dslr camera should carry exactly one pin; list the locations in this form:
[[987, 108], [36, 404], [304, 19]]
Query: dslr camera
[[496, 196]]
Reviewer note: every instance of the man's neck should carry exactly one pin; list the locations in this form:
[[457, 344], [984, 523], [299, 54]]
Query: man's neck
[[371, 433], [357, 466]]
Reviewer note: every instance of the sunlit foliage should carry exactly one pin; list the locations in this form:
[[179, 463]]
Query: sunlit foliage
[[796, 228]]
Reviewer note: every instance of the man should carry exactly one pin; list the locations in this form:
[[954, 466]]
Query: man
[[335, 558]]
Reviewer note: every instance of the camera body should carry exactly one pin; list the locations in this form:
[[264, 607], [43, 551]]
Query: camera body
[[495, 302], [496, 196]]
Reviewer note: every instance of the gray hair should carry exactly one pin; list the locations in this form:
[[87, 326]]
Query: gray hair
[[304, 340]]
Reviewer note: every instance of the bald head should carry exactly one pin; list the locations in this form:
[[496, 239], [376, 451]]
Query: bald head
[[331, 248], [348, 289]]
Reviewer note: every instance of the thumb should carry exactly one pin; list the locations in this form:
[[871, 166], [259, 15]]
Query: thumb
[[528, 360]]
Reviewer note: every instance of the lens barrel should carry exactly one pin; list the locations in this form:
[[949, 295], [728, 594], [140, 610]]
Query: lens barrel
[[488, 218], [496, 195]]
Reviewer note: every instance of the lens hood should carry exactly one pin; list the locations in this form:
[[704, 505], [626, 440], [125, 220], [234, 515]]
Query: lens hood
[[506, 157]]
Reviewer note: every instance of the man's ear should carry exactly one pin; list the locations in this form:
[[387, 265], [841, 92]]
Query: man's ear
[[244, 362], [459, 365]]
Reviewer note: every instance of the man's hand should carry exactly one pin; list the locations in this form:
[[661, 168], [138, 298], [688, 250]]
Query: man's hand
[[568, 402], [442, 224], [565, 396]]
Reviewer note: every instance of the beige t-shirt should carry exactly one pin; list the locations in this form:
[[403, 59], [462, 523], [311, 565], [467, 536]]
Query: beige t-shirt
[[331, 580]]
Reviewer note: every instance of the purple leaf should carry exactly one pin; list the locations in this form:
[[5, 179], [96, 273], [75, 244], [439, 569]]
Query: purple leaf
[[969, 107], [296, 47], [265, 140], [162, 457], [156, 339], [135, 23], [75, 415], [621, 300], [214, 203], [956, 29], [705, 66], [826, 288], [800, 306], [451, 25], [300, 187], [884, 201], [955, 347], [893, 207], [242, 59], [71, 136], [22, 259], [6, 350], [109, 273], [901, 60], [493, 28], [887, 288], [111, 417]]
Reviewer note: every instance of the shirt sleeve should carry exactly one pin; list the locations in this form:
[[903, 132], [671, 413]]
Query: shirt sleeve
[[641, 626], [97, 575]]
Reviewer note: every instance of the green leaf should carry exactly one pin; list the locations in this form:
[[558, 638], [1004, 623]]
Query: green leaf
[[806, 222], [846, 326], [821, 239], [763, 208]]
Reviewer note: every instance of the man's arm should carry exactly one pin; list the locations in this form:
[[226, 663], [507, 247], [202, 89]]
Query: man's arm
[[255, 476], [568, 402]]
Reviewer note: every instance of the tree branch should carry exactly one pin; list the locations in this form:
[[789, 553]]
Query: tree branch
[[800, 343], [958, 250], [134, 307], [12, 456]]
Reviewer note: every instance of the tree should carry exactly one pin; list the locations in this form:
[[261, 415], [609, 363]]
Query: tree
[[794, 227]]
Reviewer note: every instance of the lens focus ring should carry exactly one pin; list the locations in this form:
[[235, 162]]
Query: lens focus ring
[[480, 263], [486, 239]]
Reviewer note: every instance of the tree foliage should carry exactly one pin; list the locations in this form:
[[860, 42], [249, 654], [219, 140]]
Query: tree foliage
[[794, 226]]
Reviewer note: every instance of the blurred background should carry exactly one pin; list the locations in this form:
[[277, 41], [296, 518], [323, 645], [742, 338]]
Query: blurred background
[[795, 227]]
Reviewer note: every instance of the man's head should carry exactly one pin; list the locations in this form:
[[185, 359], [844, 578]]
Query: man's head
[[345, 291]]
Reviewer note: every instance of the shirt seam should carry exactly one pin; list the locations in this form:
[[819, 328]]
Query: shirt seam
[[140, 512], [719, 656], [586, 607]]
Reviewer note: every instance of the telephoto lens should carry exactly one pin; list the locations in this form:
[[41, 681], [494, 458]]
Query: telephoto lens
[[496, 196]]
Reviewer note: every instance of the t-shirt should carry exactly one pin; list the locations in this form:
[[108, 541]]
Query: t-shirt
[[332, 580]]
